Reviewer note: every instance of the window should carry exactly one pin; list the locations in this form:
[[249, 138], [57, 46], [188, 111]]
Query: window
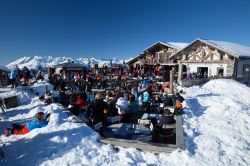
[[221, 56]]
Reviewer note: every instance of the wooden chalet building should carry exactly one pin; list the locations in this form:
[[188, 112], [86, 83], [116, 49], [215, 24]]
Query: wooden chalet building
[[214, 58], [208, 58], [157, 53]]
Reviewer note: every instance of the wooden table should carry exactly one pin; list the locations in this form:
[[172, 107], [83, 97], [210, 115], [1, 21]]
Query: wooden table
[[151, 116], [127, 131]]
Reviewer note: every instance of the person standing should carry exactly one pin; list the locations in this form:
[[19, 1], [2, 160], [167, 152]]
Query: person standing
[[26, 75], [12, 76]]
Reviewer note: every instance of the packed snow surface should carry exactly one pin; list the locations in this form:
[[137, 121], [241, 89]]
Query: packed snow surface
[[216, 126]]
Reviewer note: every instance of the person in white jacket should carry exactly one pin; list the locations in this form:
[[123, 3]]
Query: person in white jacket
[[122, 106]]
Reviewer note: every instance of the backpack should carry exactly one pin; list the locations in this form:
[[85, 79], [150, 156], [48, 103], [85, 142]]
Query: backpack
[[145, 97]]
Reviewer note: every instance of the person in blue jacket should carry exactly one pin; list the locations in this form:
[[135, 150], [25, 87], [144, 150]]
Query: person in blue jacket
[[40, 120], [13, 76]]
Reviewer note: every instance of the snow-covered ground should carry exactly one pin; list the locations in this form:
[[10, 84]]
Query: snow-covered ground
[[216, 126]]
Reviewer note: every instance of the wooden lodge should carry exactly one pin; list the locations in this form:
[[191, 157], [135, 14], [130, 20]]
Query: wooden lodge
[[207, 57], [214, 58]]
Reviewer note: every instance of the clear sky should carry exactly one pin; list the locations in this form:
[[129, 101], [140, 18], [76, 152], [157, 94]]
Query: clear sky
[[115, 28]]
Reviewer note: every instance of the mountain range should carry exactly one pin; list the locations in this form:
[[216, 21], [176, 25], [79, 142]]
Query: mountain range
[[48, 61]]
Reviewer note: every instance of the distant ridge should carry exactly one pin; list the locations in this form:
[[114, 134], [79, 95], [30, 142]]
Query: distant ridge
[[46, 61]]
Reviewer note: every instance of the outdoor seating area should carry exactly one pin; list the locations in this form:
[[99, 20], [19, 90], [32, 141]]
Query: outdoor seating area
[[118, 103]]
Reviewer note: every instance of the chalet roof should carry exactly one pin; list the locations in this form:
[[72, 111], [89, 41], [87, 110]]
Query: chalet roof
[[175, 45], [178, 46], [236, 50], [240, 51]]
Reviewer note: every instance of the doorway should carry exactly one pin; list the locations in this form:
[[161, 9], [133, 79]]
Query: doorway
[[202, 72], [220, 72]]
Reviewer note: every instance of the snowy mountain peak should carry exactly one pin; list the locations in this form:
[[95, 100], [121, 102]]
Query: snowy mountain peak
[[36, 61]]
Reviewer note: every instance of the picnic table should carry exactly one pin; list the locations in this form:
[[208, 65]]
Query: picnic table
[[150, 116], [127, 131]]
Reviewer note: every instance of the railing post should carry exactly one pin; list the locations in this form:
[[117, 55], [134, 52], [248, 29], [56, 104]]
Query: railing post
[[180, 73], [171, 82]]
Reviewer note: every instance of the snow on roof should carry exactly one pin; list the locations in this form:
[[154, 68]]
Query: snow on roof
[[169, 44], [178, 45], [232, 48], [237, 50]]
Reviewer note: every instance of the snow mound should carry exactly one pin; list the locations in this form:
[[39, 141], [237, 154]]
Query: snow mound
[[217, 123]]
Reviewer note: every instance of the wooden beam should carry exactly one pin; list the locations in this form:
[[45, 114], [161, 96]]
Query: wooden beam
[[144, 146], [180, 74], [171, 82], [180, 132], [208, 61]]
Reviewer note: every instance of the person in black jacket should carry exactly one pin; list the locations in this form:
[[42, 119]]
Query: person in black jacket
[[166, 118], [178, 97], [99, 110], [168, 101]]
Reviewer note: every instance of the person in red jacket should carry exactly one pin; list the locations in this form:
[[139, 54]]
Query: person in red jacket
[[82, 102]]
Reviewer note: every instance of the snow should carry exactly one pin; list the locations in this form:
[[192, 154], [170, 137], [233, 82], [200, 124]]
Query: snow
[[4, 68], [177, 45], [216, 126], [47, 61], [233, 48]]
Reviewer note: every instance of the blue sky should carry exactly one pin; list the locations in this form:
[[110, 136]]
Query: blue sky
[[115, 28]]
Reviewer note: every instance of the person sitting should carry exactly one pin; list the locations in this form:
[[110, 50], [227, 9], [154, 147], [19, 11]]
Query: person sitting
[[99, 110], [122, 106], [62, 98], [82, 102], [166, 118], [178, 97], [40, 120], [111, 110], [168, 101], [157, 99], [134, 105], [178, 108]]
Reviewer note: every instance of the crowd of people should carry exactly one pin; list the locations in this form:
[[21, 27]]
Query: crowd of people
[[22, 76], [125, 92], [195, 75], [122, 95]]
